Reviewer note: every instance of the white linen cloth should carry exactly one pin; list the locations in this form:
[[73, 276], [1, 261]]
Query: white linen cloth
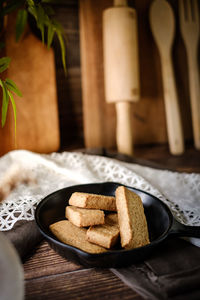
[[180, 191]]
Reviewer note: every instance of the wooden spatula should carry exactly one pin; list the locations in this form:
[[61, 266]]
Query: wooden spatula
[[121, 67], [163, 27]]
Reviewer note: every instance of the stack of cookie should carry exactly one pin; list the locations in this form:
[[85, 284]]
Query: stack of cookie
[[95, 222]]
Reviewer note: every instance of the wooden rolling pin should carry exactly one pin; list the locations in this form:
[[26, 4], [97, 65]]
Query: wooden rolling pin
[[121, 68]]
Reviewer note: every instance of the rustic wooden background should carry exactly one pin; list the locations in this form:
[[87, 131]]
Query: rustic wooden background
[[148, 115], [85, 119]]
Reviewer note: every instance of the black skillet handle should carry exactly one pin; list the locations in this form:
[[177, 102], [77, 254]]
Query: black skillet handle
[[179, 229]]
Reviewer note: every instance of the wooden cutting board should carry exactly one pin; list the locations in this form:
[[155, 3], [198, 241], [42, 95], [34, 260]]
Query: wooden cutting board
[[32, 69]]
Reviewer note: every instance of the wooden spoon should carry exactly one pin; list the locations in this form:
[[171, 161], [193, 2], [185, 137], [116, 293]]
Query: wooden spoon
[[163, 29]]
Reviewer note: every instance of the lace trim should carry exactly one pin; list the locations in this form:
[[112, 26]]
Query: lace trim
[[180, 191]]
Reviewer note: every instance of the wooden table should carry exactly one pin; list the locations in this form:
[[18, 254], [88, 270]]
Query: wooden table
[[48, 276]]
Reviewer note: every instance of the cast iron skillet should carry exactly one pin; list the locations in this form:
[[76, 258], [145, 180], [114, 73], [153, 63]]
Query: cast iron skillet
[[161, 225]]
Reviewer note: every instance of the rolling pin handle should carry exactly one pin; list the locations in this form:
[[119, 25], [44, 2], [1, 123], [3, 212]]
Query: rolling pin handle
[[124, 128], [120, 3]]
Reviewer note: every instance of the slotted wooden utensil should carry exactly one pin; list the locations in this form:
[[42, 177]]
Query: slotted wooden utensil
[[189, 25], [163, 29]]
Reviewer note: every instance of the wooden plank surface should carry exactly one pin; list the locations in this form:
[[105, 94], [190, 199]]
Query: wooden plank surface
[[54, 264], [50, 276], [159, 156]]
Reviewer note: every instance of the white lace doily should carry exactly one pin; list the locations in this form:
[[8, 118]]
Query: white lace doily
[[180, 191]]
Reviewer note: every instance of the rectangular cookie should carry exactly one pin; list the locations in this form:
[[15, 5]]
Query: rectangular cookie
[[84, 217], [105, 235], [132, 221], [112, 219], [75, 236], [86, 200]]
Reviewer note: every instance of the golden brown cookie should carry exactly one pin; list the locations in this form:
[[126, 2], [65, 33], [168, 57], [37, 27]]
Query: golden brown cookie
[[72, 235], [86, 200], [84, 217], [105, 235], [132, 220]]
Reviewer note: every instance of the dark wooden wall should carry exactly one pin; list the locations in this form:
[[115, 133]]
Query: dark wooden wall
[[69, 87], [148, 116]]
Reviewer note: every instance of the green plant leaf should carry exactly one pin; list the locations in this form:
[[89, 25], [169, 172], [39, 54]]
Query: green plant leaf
[[58, 27], [4, 63], [21, 23], [41, 18], [32, 11], [5, 101], [14, 111], [30, 2], [13, 87], [62, 47], [50, 35]]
